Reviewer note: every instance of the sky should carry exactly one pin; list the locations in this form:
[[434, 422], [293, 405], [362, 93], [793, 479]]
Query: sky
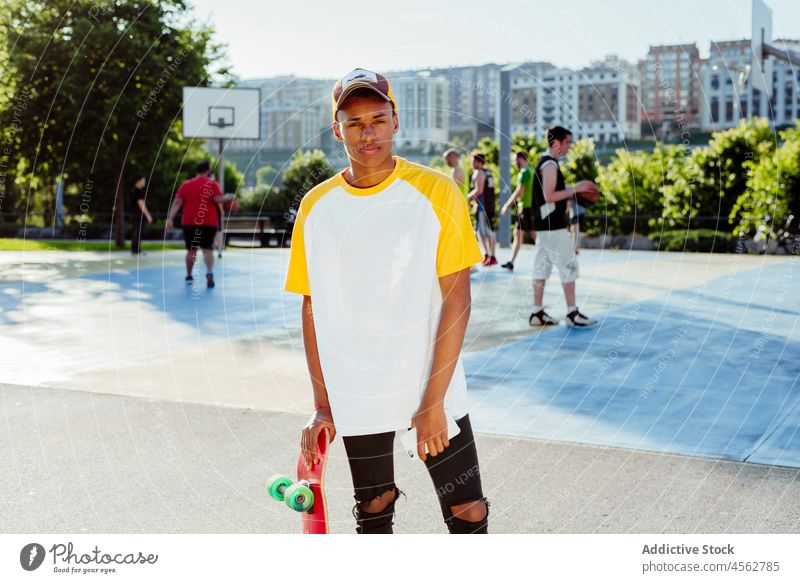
[[326, 39]]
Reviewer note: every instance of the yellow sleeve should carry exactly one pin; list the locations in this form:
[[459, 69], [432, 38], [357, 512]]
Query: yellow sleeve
[[297, 274], [458, 248]]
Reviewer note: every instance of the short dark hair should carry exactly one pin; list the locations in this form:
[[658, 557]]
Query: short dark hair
[[203, 166], [449, 152], [556, 134], [138, 177], [479, 157], [522, 155]]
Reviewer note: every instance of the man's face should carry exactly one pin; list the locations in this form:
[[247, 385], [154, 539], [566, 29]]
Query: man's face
[[366, 125], [140, 183], [563, 146], [452, 160], [521, 162], [477, 163]]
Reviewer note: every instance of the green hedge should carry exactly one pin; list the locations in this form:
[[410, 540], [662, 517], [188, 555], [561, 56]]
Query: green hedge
[[698, 240]]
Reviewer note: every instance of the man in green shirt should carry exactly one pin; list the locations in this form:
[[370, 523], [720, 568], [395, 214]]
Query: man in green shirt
[[524, 219]]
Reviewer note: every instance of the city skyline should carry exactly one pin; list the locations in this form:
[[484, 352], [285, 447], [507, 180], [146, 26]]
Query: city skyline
[[453, 36]]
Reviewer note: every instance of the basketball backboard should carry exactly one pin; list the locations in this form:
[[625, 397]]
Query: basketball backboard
[[215, 112], [761, 68]]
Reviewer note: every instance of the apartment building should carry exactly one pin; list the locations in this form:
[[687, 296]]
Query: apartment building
[[728, 95], [599, 101], [670, 89]]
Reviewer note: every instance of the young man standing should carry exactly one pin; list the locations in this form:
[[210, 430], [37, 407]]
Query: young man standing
[[198, 197], [139, 213], [523, 194], [482, 191], [554, 244], [383, 344], [451, 159]]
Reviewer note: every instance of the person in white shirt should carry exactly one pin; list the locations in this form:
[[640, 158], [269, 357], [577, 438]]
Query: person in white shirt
[[381, 253]]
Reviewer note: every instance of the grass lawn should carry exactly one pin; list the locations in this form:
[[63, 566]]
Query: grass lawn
[[33, 245]]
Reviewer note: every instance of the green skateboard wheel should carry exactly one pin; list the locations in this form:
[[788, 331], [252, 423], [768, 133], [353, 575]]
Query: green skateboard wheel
[[299, 497], [277, 485]]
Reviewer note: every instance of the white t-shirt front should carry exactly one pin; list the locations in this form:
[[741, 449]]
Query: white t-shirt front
[[371, 259]]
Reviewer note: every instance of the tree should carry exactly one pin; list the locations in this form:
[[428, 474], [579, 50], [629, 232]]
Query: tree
[[631, 184], [266, 175], [581, 163], [529, 144], [773, 191], [263, 198], [716, 175], [102, 83], [305, 170], [489, 148]]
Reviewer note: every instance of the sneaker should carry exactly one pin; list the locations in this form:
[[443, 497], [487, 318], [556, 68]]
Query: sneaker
[[578, 320], [541, 318], [508, 265], [492, 261], [209, 280], [486, 260], [189, 279]]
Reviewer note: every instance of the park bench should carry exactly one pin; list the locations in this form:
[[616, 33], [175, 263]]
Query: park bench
[[268, 231]]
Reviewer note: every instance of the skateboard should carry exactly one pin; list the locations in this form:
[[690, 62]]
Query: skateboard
[[307, 494]]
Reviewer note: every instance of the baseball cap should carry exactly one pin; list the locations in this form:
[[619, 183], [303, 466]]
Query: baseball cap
[[361, 79]]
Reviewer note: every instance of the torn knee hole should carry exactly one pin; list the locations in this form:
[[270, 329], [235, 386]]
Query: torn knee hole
[[473, 511], [379, 503]]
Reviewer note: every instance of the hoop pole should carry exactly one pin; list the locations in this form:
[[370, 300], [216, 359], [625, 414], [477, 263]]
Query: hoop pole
[[221, 165]]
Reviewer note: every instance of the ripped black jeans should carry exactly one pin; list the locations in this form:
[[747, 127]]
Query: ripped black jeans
[[454, 472]]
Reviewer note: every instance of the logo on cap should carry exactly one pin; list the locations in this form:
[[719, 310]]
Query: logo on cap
[[357, 75]]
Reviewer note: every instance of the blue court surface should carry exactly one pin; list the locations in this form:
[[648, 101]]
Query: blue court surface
[[707, 371], [693, 354]]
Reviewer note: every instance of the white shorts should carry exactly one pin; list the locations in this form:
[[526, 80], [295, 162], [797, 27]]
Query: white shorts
[[555, 248]]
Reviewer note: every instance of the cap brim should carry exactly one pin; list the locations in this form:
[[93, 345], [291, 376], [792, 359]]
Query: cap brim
[[352, 87]]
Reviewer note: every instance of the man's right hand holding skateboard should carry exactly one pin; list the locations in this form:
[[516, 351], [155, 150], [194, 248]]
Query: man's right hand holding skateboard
[[321, 420]]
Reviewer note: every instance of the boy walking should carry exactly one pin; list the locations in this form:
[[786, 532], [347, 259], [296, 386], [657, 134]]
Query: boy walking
[[383, 344], [523, 197], [198, 197]]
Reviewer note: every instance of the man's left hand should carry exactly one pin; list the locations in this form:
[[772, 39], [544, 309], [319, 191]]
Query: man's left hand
[[431, 424]]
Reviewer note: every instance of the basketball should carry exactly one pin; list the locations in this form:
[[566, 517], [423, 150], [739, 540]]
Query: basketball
[[586, 201]]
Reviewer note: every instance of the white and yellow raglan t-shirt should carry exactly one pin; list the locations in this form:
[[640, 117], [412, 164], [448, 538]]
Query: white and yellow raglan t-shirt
[[371, 259]]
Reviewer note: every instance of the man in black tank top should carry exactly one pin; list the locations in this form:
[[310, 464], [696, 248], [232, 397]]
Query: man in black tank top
[[482, 192], [554, 245], [548, 216]]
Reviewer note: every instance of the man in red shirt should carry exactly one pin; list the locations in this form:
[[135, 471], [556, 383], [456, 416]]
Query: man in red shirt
[[198, 196]]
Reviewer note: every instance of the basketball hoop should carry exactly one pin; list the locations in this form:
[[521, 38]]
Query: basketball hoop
[[221, 117]]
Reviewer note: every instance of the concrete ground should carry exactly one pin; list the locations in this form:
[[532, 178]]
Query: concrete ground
[[134, 403]]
